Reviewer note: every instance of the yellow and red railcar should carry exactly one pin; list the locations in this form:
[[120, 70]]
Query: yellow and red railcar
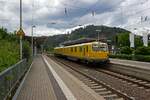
[[91, 52]]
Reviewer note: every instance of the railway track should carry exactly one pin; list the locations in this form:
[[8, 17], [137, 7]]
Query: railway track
[[132, 87], [129, 79], [108, 92]]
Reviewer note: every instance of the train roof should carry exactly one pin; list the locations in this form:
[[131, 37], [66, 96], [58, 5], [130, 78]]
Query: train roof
[[78, 41], [89, 43]]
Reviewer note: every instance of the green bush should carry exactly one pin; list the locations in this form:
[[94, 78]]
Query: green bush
[[123, 39], [9, 49], [131, 57], [142, 58], [121, 56], [142, 51], [126, 50], [9, 54]]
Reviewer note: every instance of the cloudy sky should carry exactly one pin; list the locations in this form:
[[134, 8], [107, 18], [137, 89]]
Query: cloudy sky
[[59, 16]]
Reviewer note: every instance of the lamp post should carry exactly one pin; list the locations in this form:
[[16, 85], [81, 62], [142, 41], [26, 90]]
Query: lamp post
[[98, 34], [20, 32], [21, 29], [33, 26]]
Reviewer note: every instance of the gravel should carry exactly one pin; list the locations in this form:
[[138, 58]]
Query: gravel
[[132, 91]]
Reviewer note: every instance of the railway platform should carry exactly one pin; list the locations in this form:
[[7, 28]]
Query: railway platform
[[46, 80], [134, 64]]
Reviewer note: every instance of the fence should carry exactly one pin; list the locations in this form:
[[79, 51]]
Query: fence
[[10, 77]]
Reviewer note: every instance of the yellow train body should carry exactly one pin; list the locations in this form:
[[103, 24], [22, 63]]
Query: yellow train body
[[91, 52]]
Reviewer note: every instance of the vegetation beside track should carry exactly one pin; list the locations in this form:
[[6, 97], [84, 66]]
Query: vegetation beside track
[[9, 49], [144, 58]]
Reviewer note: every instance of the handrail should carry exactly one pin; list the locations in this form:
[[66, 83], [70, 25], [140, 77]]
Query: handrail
[[10, 77]]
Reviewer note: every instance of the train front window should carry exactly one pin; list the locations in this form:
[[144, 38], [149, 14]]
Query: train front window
[[99, 47]]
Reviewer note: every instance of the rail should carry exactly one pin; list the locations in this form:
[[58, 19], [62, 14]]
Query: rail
[[120, 94], [10, 77]]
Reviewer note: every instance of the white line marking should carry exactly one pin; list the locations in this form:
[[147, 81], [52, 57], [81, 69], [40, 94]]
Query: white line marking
[[60, 82]]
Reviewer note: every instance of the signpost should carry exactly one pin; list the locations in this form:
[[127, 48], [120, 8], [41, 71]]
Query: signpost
[[20, 33]]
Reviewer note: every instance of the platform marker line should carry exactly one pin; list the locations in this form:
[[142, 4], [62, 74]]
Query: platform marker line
[[69, 95]]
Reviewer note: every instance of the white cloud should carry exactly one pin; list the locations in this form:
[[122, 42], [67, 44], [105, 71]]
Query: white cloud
[[124, 13]]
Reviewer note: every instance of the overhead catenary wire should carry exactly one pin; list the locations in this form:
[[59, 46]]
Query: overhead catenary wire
[[129, 15], [91, 9]]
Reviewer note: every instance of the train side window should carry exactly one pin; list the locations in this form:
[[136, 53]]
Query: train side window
[[75, 49], [86, 48], [80, 49], [71, 49]]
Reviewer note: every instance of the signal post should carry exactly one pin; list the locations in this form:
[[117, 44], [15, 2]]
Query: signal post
[[20, 32]]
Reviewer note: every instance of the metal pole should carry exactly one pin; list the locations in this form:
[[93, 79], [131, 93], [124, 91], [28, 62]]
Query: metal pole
[[32, 41], [20, 29], [21, 47], [20, 14], [32, 32], [35, 49], [98, 34]]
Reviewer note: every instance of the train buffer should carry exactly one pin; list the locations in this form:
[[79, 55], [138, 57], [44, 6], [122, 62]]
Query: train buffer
[[47, 80]]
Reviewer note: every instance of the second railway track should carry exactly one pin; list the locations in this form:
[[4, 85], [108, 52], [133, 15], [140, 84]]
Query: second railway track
[[108, 92], [110, 85], [130, 79]]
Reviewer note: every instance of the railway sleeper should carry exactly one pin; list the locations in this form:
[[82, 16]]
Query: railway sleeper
[[148, 84], [95, 84], [92, 82], [105, 93], [129, 83], [138, 81], [133, 79], [135, 85], [100, 89], [143, 82], [111, 97], [148, 90], [96, 87]]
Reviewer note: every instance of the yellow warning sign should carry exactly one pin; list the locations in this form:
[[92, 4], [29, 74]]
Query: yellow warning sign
[[20, 32]]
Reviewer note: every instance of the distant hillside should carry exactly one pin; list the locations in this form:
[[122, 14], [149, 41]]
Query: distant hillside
[[87, 32], [90, 31]]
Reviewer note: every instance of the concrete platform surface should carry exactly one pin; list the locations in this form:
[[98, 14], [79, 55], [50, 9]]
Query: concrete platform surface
[[37, 85], [136, 64], [79, 90], [46, 80]]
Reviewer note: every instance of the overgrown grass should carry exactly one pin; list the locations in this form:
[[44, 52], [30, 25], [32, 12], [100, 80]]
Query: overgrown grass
[[9, 53]]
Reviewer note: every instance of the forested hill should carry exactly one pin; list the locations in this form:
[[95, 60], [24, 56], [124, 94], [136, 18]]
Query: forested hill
[[91, 31], [87, 32]]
